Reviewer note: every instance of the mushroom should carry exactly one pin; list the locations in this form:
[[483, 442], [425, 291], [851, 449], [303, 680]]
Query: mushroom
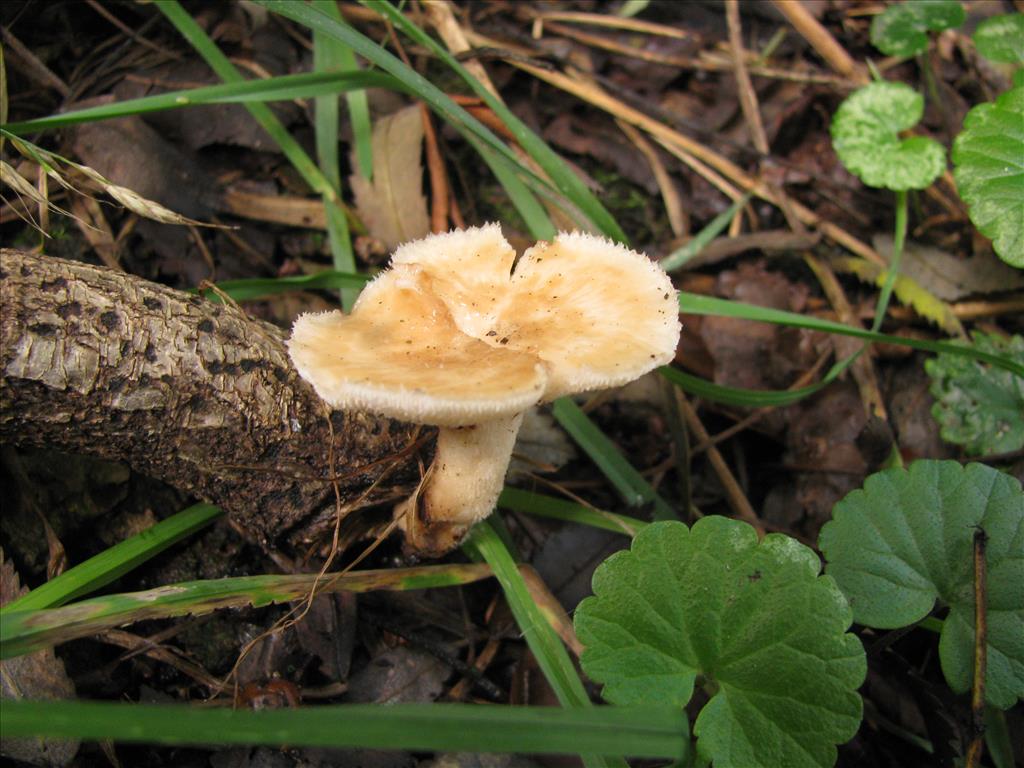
[[452, 336]]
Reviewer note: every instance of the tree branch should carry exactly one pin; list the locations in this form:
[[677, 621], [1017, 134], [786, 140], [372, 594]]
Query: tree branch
[[184, 390]]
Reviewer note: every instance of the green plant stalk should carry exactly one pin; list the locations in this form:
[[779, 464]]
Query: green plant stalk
[[899, 236], [412, 81], [564, 179], [25, 631], [630, 484], [541, 638], [250, 288], [558, 509], [282, 88], [219, 63], [696, 304], [654, 732], [358, 105], [116, 561], [699, 242], [533, 213], [567, 182], [328, 56]]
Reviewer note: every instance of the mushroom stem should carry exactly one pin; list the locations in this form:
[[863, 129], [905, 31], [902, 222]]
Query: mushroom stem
[[462, 485]]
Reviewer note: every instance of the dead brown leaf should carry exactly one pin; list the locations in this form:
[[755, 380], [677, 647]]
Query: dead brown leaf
[[392, 205], [948, 277], [37, 676]]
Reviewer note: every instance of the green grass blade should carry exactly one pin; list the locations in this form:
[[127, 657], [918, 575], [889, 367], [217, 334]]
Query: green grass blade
[[283, 88], [558, 509], [358, 104], [695, 304], [251, 288], [567, 182], [546, 645], [692, 249], [634, 490], [751, 398], [542, 639], [25, 631], [894, 264], [226, 71], [116, 561], [414, 83], [533, 213], [653, 732], [329, 56]]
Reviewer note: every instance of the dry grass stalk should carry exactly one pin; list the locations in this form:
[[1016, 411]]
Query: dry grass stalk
[[598, 97], [863, 368], [820, 39], [677, 217], [748, 98]]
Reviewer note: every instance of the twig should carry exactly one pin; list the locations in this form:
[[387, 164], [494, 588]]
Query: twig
[[748, 97], [129, 32], [34, 68], [668, 136], [677, 217], [802, 381], [616, 22], [441, 15], [974, 750], [737, 499], [438, 176], [820, 39], [863, 370]]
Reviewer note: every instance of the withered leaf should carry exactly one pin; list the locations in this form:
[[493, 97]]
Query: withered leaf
[[39, 675], [392, 205]]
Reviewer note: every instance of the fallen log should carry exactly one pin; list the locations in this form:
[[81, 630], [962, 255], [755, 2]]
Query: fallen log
[[185, 390]]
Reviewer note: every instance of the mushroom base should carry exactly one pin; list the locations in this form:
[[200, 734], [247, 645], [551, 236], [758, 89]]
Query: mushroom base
[[460, 488]]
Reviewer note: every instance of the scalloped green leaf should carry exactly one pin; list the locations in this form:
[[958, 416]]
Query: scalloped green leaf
[[977, 406], [1001, 38], [902, 30], [865, 134], [905, 541], [765, 633], [988, 156]]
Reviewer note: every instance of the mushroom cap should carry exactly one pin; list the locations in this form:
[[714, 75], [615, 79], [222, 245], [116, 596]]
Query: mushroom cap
[[399, 354], [452, 336]]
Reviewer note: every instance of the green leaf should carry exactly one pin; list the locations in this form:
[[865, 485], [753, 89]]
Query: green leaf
[[902, 29], [765, 632], [988, 156], [1001, 38], [906, 540], [657, 732], [865, 134], [977, 406], [283, 88]]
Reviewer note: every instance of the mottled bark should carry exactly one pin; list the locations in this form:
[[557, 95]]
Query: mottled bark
[[182, 389]]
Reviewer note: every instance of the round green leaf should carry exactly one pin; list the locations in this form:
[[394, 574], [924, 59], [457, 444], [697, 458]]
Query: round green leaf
[[976, 405], [902, 29], [906, 540], [989, 159], [1001, 38], [865, 134], [766, 633]]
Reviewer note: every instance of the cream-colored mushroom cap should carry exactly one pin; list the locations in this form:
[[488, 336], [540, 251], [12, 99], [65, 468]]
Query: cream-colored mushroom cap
[[451, 335], [399, 354]]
